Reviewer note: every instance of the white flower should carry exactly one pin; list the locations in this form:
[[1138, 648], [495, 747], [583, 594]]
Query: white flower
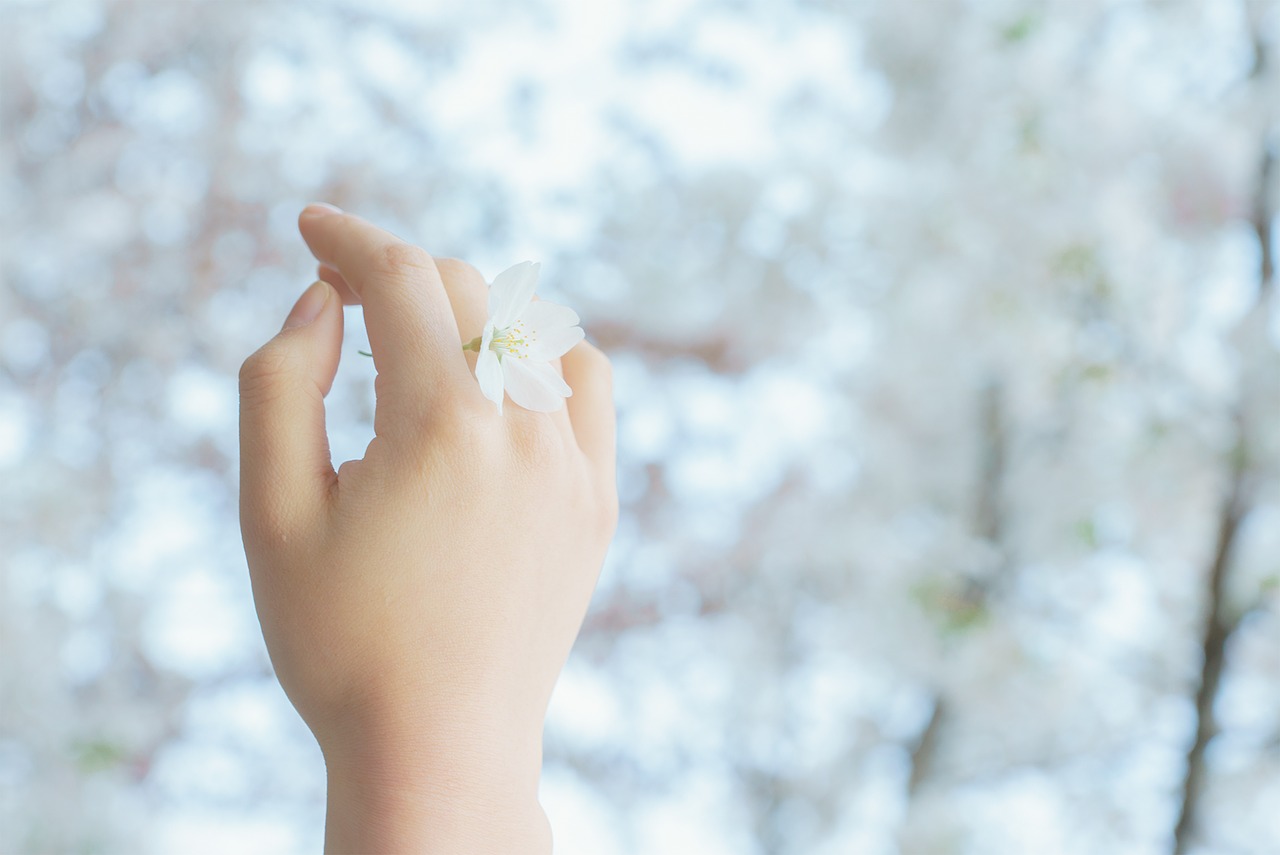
[[521, 337]]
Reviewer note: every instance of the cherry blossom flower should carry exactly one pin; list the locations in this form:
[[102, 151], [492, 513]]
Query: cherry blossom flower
[[520, 338]]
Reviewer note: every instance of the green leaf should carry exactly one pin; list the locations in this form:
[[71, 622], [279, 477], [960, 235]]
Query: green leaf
[[1019, 30], [98, 754]]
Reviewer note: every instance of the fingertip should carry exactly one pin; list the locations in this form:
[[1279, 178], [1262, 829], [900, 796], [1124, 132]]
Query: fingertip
[[313, 217], [309, 306], [317, 210]]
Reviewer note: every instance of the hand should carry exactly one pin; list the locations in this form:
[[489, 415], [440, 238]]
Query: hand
[[419, 603]]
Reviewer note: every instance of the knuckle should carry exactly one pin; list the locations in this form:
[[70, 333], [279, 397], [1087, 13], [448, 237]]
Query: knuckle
[[463, 434], [537, 443], [452, 417], [398, 259], [262, 373]]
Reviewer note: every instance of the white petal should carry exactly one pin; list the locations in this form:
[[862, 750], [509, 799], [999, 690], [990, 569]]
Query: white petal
[[490, 374], [541, 315], [510, 293], [554, 343], [534, 385]]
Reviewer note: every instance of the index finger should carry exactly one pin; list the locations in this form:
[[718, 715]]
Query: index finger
[[412, 333]]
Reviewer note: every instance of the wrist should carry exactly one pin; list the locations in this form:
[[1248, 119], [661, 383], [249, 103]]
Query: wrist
[[456, 784]]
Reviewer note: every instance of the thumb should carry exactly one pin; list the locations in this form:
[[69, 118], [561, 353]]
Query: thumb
[[285, 470]]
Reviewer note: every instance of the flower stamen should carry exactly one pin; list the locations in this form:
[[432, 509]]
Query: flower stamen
[[513, 341]]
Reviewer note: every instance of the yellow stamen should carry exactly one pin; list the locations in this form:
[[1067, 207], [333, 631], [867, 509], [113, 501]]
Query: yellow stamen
[[513, 340]]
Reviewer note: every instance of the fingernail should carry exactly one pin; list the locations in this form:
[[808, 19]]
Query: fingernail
[[309, 305], [320, 209]]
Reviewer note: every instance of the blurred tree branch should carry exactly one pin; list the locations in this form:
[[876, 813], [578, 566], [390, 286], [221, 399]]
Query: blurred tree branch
[[1217, 633], [925, 747], [1219, 626]]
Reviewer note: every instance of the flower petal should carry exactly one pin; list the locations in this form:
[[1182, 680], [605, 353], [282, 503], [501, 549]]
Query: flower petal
[[490, 374], [541, 315], [534, 385], [510, 293], [551, 344]]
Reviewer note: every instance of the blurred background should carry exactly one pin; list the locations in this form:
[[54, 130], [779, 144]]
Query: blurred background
[[947, 368]]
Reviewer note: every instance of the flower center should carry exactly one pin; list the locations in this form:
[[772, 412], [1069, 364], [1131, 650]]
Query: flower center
[[513, 340]]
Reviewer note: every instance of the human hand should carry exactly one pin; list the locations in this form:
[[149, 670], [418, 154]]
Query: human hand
[[419, 603]]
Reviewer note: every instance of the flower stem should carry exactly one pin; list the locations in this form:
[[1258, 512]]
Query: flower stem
[[364, 353]]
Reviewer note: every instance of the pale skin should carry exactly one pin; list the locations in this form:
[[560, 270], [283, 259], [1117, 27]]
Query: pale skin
[[419, 604]]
